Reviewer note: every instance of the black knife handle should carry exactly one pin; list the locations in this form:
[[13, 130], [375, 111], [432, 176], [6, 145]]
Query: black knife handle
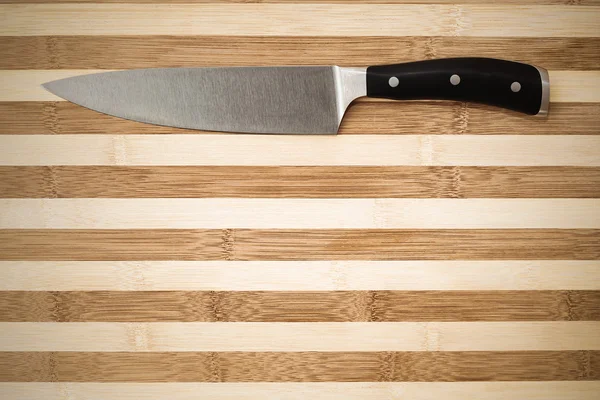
[[512, 85]]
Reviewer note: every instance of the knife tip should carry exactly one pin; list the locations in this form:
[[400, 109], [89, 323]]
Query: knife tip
[[53, 87], [47, 86]]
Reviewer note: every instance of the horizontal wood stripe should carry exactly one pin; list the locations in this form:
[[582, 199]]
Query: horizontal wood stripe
[[363, 117], [127, 52], [548, 390], [300, 20], [329, 306], [139, 261], [300, 367], [300, 150], [322, 336], [25, 85], [299, 213], [570, 85], [278, 244], [298, 182], [299, 276], [557, 2]]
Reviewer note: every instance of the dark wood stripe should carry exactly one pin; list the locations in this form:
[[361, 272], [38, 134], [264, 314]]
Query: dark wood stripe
[[366, 117], [124, 52], [299, 367], [333, 306], [300, 244], [298, 182]]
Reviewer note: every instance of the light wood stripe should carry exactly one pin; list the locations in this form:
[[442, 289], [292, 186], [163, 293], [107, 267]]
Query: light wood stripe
[[299, 20], [363, 117], [338, 306], [549, 390], [332, 337], [305, 150], [300, 367], [556, 2], [570, 85], [299, 213], [468, 270], [25, 85], [127, 52], [299, 276], [299, 182], [282, 245], [17, 85]]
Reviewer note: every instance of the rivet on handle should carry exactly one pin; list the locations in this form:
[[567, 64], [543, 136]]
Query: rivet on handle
[[455, 79]]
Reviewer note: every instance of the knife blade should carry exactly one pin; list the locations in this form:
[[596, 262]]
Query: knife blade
[[298, 100]]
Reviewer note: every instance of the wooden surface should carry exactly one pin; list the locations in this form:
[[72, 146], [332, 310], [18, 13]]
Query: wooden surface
[[431, 250]]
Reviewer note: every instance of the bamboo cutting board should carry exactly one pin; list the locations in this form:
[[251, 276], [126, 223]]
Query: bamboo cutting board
[[431, 250]]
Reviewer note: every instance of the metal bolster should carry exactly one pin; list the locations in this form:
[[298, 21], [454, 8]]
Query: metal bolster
[[350, 84], [545, 104]]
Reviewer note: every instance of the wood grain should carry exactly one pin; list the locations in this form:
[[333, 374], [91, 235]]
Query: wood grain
[[300, 366], [127, 52], [175, 311], [570, 85], [299, 275], [397, 118], [298, 182], [300, 336], [300, 20], [277, 244], [338, 306], [26, 85], [559, 2], [299, 213], [541, 390], [301, 150]]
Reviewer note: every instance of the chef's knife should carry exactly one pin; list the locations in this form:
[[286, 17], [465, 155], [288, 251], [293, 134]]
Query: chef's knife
[[298, 100]]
